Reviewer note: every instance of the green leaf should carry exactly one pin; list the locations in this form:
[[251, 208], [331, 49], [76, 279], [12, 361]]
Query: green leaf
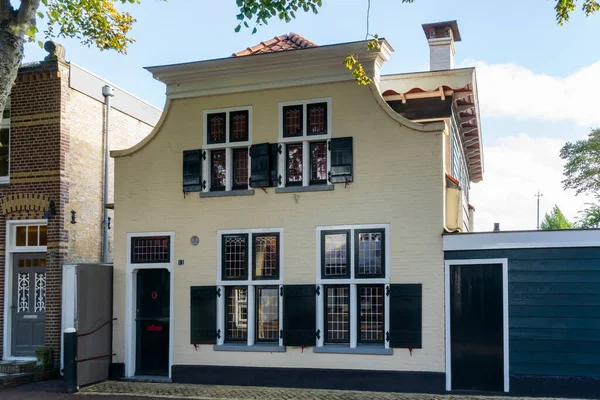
[[237, 28]]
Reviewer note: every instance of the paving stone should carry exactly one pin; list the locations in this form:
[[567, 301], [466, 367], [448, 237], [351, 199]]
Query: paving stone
[[209, 392]]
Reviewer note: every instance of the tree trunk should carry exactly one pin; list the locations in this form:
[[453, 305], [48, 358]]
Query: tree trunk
[[11, 55], [14, 24]]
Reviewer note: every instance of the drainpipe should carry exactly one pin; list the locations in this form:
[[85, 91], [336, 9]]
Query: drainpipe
[[107, 92]]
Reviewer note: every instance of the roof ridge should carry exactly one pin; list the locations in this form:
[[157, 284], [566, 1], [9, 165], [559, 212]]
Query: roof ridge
[[285, 42]]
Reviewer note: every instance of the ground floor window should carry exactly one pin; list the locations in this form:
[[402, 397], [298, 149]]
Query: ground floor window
[[250, 287], [353, 277]]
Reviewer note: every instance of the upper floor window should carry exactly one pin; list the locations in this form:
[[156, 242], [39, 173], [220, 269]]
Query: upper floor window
[[227, 136], [305, 118]]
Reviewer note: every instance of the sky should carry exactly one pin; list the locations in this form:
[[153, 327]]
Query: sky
[[538, 82]]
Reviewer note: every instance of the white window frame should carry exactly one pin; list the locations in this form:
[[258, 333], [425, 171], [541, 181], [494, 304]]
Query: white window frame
[[8, 278], [131, 298], [305, 139], [5, 124], [227, 146], [27, 247], [250, 283], [353, 282]]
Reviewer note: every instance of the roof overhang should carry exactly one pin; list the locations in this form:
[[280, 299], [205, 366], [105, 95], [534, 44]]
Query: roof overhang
[[269, 70], [461, 84]]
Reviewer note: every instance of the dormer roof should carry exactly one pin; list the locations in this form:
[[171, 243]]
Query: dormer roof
[[290, 41]]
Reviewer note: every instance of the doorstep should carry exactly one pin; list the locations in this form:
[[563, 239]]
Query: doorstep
[[147, 378], [20, 378]]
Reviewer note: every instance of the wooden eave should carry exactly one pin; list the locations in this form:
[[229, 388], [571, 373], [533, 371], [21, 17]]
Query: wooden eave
[[461, 84]]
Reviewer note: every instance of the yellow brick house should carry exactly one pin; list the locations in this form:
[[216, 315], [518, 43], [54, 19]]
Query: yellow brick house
[[282, 225]]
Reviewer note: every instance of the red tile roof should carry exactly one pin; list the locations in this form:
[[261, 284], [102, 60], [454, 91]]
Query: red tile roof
[[291, 41]]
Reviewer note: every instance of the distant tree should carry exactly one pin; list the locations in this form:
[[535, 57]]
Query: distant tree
[[556, 220], [589, 217]]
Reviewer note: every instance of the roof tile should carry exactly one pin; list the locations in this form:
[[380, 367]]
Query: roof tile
[[290, 41]]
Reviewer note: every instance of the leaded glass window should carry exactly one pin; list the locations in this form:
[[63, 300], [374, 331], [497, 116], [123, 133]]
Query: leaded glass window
[[369, 250], [266, 256], [216, 128], [150, 249], [267, 314], [235, 257], [317, 118], [318, 163], [371, 321], [294, 164], [337, 320], [335, 257], [238, 126], [292, 121], [237, 313], [240, 168], [218, 170]]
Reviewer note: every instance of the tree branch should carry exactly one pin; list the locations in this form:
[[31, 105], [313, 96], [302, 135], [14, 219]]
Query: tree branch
[[26, 13]]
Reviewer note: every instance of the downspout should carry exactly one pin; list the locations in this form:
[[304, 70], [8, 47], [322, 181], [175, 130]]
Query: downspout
[[107, 92]]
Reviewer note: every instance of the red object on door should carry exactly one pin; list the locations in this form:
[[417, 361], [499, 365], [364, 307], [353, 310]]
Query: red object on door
[[154, 328]]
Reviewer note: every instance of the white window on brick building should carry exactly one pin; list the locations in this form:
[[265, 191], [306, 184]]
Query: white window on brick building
[[4, 144], [225, 154]]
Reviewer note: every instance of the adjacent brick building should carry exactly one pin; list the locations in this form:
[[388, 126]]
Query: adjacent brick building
[[51, 188]]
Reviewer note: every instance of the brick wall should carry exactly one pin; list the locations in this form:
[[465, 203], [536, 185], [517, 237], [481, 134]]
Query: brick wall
[[56, 151]]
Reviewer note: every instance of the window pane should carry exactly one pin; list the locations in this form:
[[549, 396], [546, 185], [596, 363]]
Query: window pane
[[236, 258], [318, 162], [338, 317], [217, 162], [238, 126], [370, 253], [240, 168], [43, 235], [216, 128], [292, 121], [294, 164], [237, 313], [32, 236], [317, 118], [21, 236], [336, 254], [371, 313], [265, 256], [150, 250], [267, 314]]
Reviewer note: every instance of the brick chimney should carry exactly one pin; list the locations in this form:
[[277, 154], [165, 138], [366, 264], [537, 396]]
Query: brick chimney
[[441, 37]]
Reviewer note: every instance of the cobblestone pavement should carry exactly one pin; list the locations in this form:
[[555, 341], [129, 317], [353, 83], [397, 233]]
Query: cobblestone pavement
[[209, 392]]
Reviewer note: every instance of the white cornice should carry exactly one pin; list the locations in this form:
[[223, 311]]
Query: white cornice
[[268, 71]]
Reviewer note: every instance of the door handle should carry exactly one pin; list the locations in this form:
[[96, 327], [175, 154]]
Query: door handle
[[13, 307]]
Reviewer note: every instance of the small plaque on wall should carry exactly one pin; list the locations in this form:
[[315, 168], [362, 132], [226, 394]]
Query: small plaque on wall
[[194, 240]]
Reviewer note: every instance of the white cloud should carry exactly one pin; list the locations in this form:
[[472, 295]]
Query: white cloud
[[516, 167], [509, 90]]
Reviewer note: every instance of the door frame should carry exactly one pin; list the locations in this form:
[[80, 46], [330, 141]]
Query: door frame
[[131, 299], [482, 261], [10, 249]]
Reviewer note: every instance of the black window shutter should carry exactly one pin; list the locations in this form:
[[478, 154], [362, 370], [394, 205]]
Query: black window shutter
[[406, 316], [299, 315], [192, 171], [259, 158], [203, 312], [341, 160], [273, 179]]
